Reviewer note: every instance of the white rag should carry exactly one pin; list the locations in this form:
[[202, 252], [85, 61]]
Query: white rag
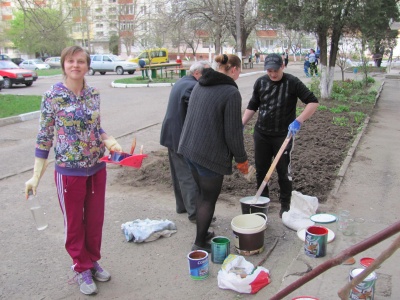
[[147, 230]]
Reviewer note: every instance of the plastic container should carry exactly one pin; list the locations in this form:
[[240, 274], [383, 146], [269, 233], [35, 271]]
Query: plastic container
[[37, 212], [248, 231]]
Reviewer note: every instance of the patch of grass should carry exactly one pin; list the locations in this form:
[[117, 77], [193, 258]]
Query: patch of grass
[[358, 116], [141, 80], [340, 121], [49, 72], [339, 109], [13, 105], [322, 107]]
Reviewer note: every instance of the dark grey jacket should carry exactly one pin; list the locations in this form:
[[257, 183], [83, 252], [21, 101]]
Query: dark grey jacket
[[176, 112], [212, 134]]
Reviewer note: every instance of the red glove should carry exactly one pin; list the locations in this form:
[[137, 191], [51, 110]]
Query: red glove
[[243, 167]]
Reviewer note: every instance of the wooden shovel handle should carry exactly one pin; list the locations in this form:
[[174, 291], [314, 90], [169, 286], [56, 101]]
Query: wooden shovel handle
[[276, 159]]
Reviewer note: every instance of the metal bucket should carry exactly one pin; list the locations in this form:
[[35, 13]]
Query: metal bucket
[[248, 207]]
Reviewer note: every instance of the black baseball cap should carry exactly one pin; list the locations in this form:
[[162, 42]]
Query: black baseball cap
[[273, 61]]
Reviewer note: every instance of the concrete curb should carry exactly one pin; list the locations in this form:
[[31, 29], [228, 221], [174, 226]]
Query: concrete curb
[[20, 118], [150, 84]]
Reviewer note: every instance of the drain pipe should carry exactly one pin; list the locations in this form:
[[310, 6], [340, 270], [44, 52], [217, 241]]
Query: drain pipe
[[341, 257]]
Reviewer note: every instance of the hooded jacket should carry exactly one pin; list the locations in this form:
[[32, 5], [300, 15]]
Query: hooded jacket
[[75, 121], [212, 134]]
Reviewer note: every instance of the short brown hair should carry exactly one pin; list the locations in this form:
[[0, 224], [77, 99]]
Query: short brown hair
[[69, 51]]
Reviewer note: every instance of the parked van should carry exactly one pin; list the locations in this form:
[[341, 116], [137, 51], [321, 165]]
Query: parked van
[[152, 56]]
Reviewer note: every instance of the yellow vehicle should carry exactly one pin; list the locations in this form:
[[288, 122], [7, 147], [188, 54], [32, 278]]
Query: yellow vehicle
[[152, 56]]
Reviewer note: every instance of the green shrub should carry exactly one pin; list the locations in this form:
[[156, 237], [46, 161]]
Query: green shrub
[[315, 87]]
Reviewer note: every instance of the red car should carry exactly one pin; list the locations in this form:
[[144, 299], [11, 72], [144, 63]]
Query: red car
[[13, 74]]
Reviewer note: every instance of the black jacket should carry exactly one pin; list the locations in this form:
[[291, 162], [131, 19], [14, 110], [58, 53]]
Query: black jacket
[[212, 134]]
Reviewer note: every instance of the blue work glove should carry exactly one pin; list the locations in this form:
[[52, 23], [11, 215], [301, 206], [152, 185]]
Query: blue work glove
[[294, 127]]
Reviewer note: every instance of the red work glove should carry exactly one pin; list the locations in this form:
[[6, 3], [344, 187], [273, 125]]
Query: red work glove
[[243, 167]]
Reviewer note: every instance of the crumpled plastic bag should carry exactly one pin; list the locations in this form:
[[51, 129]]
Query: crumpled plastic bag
[[139, 231], [239, 275], [301, 208]]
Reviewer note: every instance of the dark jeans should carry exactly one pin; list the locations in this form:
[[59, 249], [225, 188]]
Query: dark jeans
[[265, 149]]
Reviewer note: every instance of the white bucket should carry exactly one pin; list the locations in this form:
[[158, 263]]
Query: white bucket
[[249, 223], [248, 231]]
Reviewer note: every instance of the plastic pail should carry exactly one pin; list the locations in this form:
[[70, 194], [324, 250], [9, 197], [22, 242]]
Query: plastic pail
[[248, 231], [248, 207]]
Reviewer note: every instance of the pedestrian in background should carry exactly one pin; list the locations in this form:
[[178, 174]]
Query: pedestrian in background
[[306, 66], [286, 57], [185, 188], [257, 55], [142, 64], [212, 136], [70, 110], [312, 57], [275, 97]]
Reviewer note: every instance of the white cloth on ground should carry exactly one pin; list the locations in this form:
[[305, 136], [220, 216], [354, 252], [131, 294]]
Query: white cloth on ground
[[147, 230]]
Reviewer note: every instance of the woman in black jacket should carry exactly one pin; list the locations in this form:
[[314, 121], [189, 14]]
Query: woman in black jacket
[[212, 136]]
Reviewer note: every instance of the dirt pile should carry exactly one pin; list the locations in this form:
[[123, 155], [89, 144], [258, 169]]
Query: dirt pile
[[319, 150]]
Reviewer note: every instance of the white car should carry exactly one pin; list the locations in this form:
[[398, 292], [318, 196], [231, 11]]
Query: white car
[[34, 64], [103, 63]]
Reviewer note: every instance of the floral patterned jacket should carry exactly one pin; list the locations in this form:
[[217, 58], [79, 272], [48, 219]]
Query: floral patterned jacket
[[75, 121]]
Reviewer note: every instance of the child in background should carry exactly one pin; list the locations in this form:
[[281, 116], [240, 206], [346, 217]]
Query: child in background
[[306, 66]]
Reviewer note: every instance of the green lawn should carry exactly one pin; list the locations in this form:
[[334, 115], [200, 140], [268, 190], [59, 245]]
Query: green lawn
[[49, 72], [141, 80], [13, 105]]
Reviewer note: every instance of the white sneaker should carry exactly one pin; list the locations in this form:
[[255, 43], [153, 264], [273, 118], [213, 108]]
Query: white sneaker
[[99, 273], [86, 283]]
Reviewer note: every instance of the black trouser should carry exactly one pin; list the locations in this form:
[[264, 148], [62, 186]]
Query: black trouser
[[210, 185], [265, 149]]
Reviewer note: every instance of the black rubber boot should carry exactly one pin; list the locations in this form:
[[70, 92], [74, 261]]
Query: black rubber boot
[[284, 207]]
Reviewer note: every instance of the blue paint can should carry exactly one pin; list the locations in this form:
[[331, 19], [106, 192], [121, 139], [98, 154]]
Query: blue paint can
[[220, 249], [198, 264]]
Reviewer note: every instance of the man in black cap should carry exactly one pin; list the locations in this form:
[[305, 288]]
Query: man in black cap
[[275, 97]]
